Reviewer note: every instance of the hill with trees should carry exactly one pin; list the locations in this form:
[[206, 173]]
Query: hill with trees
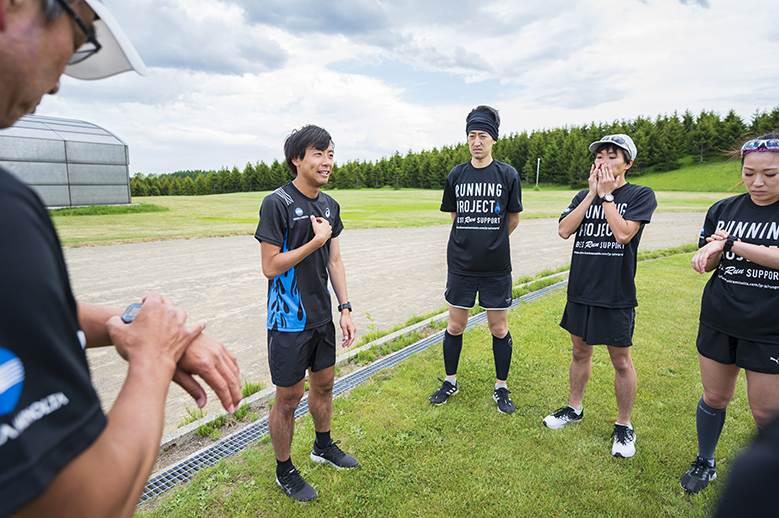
[[662, 143]]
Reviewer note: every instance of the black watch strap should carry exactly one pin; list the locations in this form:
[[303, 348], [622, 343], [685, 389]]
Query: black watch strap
[[729, 243], [342, 307]]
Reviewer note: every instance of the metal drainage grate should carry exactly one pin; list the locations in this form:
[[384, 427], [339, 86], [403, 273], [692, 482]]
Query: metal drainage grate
[[234, 443]]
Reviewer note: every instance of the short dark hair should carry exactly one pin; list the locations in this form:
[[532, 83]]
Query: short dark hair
[[300, 140], [486, 109], [613, 148]]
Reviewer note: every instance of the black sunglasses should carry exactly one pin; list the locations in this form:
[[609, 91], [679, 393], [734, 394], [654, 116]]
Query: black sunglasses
[[85, 51]]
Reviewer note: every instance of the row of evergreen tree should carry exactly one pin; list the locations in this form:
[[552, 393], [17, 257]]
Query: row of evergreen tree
[[563, 152]]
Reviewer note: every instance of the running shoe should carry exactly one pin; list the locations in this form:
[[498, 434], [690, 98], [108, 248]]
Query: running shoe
[[501, 397], [563, 416], [294, 485], [624, 441], [698, 476], [332, 454], [441, 395]]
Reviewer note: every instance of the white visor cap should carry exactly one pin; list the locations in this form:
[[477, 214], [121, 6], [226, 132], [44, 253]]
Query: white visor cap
[[116, 54]]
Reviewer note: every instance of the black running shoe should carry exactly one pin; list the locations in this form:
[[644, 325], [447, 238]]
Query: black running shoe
[[333, 455], [562, 417], [501, 397], [441, 395], [698, 476], [294, 485]]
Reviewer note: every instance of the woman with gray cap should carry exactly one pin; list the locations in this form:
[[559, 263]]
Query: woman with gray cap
[[607, 219]]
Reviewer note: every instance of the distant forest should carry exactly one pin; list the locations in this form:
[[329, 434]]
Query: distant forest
[[563, 153]]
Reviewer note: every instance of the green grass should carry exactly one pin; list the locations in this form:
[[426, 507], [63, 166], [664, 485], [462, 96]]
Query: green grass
[[464, 459], [713, 175], [251, 387], [102, 210], [238, 213]]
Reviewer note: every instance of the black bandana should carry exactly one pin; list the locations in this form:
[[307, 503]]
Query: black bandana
[[482, 121]]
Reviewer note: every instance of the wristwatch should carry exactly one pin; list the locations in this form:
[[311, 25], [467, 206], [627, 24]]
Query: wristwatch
[[607, 198], [729, 243], [342, 307]]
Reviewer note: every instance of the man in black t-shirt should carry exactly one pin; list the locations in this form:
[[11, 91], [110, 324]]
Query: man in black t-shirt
[[60, 455], [298, 234], [484, 197], [608, 219]]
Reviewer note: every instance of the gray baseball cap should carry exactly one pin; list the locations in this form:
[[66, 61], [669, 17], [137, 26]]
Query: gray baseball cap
[[116, 54], [620, 140]]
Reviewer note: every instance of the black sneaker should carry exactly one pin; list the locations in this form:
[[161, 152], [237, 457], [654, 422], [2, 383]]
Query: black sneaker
[[563, 416], [333, 455], [501, 397], [441, 395], [294, 485], [698, 476]]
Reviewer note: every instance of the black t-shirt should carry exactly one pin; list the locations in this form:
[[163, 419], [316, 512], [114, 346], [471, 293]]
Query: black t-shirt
[[481, 200], [603, 271], [49, 412], [741, 298], [298, 299]]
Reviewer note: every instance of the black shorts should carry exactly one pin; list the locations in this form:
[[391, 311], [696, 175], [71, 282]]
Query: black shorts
[[729, 350], [494, 291], [600, 326], [290, 354]]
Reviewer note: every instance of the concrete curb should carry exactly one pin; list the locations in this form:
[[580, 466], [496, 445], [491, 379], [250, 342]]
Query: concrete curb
[[189, 432]]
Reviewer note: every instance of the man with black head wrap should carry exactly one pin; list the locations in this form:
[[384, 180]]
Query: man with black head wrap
[[484, 197]]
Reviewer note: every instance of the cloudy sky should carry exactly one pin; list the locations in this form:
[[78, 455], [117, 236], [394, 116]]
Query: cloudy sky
[[230, 78]]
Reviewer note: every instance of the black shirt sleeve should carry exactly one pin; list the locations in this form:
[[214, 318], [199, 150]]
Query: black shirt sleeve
[[273, 221]]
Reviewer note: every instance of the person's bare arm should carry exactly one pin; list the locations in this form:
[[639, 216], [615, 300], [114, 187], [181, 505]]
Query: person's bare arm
[[513, 221], [275, 262], [709, 256], [335, 267], [206, 357], [109, 476], [623, 229]]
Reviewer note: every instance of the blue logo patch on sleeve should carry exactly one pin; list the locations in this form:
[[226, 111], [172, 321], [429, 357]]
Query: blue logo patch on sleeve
[[11, 381]]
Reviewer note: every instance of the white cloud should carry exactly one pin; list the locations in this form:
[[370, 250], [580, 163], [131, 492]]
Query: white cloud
[[230, 79]]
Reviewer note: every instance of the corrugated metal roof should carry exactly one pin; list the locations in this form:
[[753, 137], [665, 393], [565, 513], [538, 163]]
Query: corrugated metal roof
[[54, 128]]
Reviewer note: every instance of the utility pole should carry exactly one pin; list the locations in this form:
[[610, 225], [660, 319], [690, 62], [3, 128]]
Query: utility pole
[[538, 167]]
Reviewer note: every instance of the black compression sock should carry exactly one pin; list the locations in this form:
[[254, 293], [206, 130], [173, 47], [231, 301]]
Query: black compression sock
[[323, 439], [283, 467], [501, 350], [453, 345]]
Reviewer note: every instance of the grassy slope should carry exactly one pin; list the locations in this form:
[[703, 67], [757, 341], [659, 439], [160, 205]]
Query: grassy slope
[[712, 175], [464, 459]]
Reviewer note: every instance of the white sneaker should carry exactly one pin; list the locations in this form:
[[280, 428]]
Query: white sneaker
[[624, 441], [562, 416]]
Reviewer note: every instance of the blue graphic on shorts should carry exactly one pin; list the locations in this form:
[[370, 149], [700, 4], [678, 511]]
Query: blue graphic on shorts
[[11, 381], [285, 309], [497, 207]]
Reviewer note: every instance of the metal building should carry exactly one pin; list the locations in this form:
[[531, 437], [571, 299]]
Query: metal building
[[67, 162]]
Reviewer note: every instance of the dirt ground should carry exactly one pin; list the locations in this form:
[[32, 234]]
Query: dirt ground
[[392, 274]]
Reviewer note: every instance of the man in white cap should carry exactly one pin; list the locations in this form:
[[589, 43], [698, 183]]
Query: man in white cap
[[608, 219], [61, 456]]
